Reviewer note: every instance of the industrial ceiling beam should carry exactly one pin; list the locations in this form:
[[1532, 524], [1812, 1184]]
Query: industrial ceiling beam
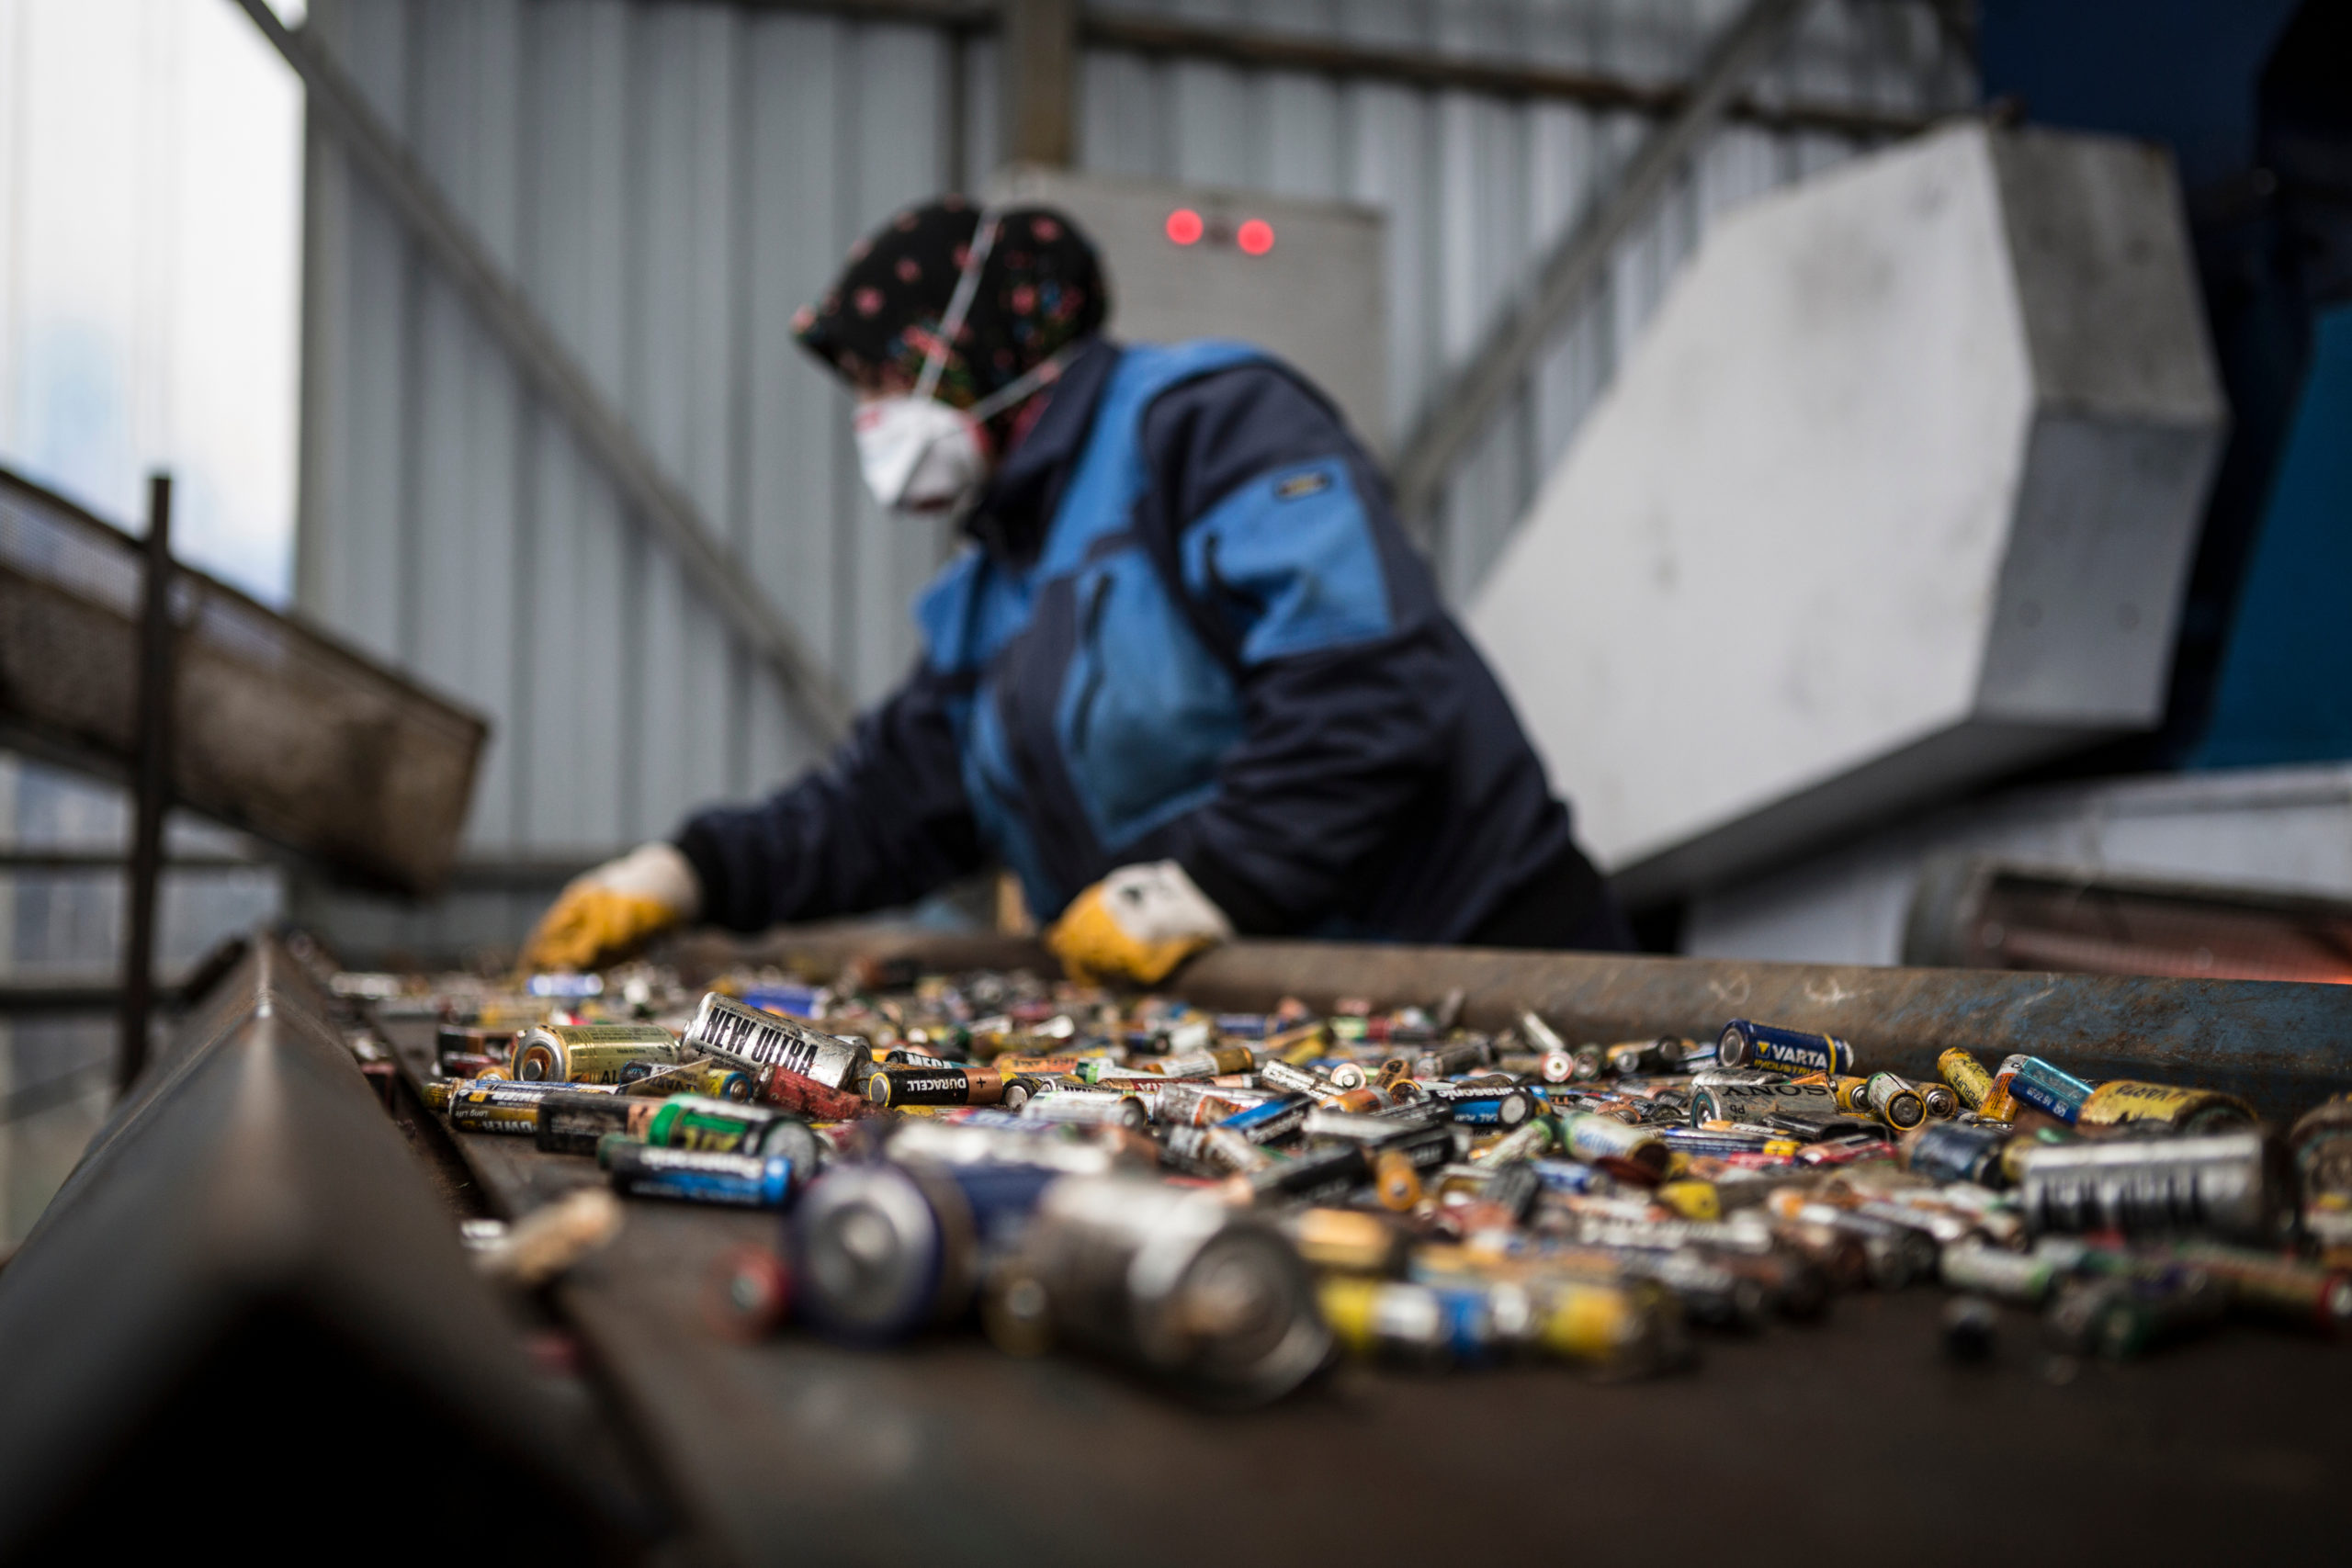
[[1460, 409], [1253, 48], [1038, 55], [555, 375], [1259, 49]]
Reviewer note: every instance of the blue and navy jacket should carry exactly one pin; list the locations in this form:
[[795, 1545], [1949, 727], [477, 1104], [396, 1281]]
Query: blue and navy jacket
[[1187, 626]]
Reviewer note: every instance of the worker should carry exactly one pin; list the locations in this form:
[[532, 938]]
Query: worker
[[1185, 679]]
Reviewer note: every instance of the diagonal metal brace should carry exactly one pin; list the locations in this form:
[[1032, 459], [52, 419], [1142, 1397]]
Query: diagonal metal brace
[[555, 375], [1460, 409]]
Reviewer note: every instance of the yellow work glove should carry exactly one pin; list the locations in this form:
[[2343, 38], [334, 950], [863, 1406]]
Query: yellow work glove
[[605, 914], [1137, 924]]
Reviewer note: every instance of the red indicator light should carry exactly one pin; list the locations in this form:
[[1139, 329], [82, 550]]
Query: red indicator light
[[1184, 227], [1256, 237]]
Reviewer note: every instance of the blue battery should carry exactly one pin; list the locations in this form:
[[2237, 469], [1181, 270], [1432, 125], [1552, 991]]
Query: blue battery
[[1746, 1043], [1569, 1176], [2048, 1089], [699, 1175], [1242, 1025], [1274, 1118]]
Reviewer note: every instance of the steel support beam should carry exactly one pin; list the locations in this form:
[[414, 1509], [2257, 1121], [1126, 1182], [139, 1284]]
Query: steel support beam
[[554, 374], [1460, 411], [151, 783], [1040, 66], [1254, 49]]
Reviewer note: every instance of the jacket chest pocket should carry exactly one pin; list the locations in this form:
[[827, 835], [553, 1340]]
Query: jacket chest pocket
[[1143, 713]]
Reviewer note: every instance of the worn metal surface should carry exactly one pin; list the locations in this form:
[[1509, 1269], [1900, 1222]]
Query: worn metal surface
[[248, 1281], [944, 1450], [666, 183], [280, 730]]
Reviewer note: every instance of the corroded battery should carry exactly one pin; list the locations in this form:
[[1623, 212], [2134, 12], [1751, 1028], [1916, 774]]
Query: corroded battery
[[2151, 1106]]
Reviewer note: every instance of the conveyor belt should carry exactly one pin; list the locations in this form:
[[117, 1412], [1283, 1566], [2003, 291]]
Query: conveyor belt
[[1849, 1441]]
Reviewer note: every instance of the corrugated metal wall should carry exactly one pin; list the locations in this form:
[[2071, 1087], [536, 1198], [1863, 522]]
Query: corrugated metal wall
[[670, 181]]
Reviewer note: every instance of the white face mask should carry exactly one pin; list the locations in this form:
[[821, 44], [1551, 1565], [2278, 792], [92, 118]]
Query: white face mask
[[918, 454]]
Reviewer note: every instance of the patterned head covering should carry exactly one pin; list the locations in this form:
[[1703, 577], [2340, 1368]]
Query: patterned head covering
[[1040, 288]]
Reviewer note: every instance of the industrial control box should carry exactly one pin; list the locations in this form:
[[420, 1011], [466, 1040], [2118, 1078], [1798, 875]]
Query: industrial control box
[[1305, 280]]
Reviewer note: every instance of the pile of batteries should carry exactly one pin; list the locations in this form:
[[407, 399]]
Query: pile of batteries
[[1225, 1200]]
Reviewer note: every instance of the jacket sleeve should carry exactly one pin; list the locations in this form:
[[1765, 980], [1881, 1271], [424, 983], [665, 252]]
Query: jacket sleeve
[[883, 822], [1294, 569]]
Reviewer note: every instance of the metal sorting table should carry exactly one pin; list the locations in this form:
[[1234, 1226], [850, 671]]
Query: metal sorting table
[[1851, 1438]]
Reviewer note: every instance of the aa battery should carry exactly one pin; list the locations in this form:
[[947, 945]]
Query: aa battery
[[1213, 1151], [572, 1123], [781, 1087], [1754, 1101], [2053, 1092], [2150, 1106], [941, 1085], [1647, 1058], [1087, 1108], [1941, 1102], [1270, 1121], [1613, 1145], [1486, 1105], [1967, 1077], [1895, 1102], [1400, 1320], [1526, 1143], [757, 1041], [699, 1175], [589, 1052], [1745, 1042], [882, 1249], [2320, 1143], [1211, 1063], [2219, 1183], [2267, 1284], [698, 1121], [1956, 1151], [1170, 1280], [501, 1105], [1990, 1271], [1318, 1174]]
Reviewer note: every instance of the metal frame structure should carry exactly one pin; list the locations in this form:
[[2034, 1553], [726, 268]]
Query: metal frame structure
[[1040, 41]]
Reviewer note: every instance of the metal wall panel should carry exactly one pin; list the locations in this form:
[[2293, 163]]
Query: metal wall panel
[[670, 181]]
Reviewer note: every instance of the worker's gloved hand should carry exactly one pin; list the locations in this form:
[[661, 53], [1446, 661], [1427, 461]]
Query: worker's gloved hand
[[1137, 924], [605, 914]]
